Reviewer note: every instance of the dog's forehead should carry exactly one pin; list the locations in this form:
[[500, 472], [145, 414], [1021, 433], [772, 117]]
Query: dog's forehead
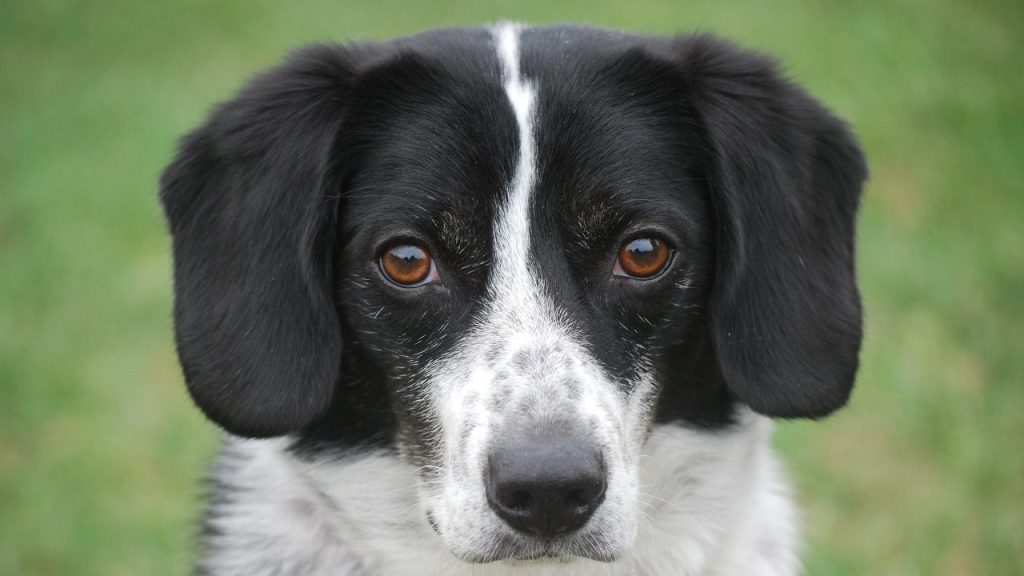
[[443, 138]]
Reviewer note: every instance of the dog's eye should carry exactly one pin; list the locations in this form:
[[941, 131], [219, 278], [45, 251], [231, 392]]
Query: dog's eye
[[408, 265], [643, 257]]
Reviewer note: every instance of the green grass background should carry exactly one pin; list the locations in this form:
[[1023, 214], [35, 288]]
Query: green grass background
[[101, 450]]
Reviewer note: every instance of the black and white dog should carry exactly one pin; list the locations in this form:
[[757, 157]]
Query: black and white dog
[[512, 300]]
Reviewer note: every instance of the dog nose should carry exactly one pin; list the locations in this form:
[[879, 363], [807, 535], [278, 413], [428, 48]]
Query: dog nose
[[545, 486]]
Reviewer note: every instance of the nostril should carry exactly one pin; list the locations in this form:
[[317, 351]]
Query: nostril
[[519, 501], [578, 498]]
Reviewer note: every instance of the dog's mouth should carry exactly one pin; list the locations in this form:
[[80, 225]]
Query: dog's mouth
[[553, 556], [540, 558], [517, 557], [519, 550]]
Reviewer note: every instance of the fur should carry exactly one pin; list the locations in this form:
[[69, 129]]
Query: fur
[[713, 503], [363, 417]]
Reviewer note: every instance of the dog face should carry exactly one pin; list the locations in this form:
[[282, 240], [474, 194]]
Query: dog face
[[505, 253]]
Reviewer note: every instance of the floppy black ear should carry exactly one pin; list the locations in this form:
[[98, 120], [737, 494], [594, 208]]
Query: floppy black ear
[[786, 177], [258, 338]]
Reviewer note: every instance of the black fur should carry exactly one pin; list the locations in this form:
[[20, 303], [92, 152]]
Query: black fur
[[253, 231], [280, 203], [785, 180]]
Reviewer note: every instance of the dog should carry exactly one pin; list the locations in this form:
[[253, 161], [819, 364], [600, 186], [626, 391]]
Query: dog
[[512, 300]]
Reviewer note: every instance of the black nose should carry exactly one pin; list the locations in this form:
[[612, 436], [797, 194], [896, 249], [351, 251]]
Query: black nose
[[545, 485]]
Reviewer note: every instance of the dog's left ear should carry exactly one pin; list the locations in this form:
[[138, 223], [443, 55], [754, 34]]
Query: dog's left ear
[[785, 183]]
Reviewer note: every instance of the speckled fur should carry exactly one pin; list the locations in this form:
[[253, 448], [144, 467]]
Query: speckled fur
[[524, 159], [711, 504]]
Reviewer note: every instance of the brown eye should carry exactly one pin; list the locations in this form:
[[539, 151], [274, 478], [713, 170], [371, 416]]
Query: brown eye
[[643, 257], [408, 265]]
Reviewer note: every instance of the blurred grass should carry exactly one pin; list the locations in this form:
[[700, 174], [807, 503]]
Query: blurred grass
[[100, 448]]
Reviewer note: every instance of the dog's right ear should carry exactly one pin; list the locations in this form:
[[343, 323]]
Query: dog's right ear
[[253, 223]]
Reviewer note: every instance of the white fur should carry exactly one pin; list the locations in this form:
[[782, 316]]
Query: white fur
[[713, 503], [524, 366], [677, 501]]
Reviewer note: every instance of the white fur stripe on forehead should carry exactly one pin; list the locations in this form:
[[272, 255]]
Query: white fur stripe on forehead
[[512, 279]]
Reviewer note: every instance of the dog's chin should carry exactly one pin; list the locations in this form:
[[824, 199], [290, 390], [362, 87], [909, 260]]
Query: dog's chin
[[536, 552]]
